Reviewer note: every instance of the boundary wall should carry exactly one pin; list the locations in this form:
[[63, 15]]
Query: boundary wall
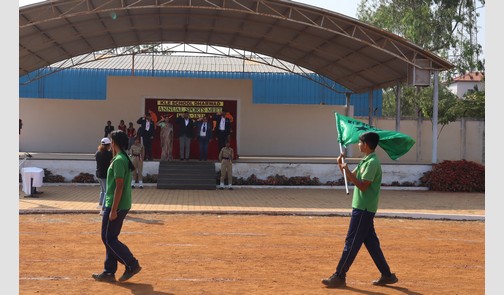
[[324, 171], [76, 126]]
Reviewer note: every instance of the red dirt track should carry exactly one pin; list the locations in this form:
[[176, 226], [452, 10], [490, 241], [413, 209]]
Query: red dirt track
[[247, 254]]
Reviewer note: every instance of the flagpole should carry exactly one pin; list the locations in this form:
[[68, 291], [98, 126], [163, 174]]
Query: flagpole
[[344, 171], [341, 149]]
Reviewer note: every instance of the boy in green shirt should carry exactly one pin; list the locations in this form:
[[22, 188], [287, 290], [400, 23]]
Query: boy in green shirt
[[366, 178], [117, 206]]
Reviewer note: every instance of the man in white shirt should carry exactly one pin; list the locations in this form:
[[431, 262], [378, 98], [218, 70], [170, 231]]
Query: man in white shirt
[[222, 127], [204, 136]]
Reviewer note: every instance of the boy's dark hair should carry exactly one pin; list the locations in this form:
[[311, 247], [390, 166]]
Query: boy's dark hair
[[121, 139], [370, 138]]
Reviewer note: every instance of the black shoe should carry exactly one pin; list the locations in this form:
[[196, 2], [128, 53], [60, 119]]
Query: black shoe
[[128, 273], [140, 186], [230, 188], [383, 280], [132, 186], [334, 282], [104, 277], [221, 188]]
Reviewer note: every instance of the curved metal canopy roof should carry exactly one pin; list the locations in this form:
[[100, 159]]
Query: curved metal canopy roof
[[356, 55]]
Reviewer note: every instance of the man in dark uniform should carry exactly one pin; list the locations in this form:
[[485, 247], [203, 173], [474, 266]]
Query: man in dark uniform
[[185, 134], [147, 134]]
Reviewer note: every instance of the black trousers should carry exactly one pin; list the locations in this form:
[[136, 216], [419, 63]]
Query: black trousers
[[222, 137], [361, 231], [116, 251], [147, 142]]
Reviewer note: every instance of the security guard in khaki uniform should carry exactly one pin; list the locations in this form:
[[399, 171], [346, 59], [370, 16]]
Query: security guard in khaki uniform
[[226, 156], [137, 155]]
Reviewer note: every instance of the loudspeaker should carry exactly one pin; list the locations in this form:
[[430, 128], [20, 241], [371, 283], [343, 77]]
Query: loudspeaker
[[419, 75]]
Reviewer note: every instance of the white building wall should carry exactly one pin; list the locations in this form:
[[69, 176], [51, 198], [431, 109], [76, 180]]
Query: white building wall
[[461, 88]]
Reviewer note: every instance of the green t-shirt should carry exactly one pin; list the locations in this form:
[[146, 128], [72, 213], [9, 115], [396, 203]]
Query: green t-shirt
[[369, 168], [119, 169]]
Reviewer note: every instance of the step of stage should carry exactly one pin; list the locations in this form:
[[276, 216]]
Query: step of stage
[[190, 175]]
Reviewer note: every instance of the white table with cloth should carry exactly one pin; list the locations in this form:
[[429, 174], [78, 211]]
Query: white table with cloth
[[32, 177]]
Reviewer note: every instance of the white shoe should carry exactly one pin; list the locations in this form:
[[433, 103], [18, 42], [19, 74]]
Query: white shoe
[[101, 212]]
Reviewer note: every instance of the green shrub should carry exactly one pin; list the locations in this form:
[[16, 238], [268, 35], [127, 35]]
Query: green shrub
[[455, 176]]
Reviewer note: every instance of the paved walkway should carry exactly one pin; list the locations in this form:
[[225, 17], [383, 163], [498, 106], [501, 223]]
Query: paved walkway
[[322, 201]]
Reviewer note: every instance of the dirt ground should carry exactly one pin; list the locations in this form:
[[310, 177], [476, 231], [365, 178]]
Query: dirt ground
[[247, 254]]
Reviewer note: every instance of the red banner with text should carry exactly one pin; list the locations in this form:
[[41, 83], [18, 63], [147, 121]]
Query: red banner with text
[[197, 109]]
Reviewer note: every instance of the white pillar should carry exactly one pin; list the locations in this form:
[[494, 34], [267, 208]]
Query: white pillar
[[398, 107], [435, 118]]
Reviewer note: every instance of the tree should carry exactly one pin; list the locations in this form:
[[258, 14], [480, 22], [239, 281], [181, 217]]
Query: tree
[[409, 106], [445, 27], [419, 103], [472, 105]]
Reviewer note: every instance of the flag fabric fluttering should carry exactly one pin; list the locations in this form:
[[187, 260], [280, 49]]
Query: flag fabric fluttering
[[394, 143]]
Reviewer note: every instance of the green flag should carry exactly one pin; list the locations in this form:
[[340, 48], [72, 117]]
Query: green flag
[[394, 143]]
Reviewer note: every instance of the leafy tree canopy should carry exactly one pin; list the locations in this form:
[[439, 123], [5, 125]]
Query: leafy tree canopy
[[445, 27]]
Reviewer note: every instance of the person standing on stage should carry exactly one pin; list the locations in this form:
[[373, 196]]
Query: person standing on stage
[[122, 126], [147, 134], [108, 129], [222, 128], [185, 134], [166, 137], [132, 133], [204, 135]]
